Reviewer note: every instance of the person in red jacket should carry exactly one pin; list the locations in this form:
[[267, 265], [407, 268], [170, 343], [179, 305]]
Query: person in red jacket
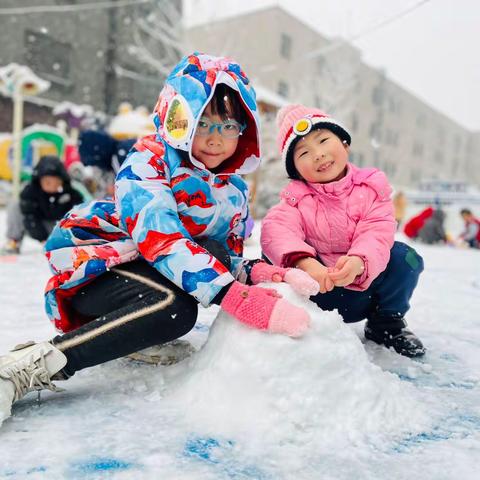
[[415, 224], [471, 232]]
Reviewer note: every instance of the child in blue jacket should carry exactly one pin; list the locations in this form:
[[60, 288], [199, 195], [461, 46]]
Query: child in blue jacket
[[129, 273]]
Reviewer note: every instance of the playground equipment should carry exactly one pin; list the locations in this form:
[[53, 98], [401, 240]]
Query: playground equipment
[[39, 140], [19, 81], [36, 141], [5, 150]]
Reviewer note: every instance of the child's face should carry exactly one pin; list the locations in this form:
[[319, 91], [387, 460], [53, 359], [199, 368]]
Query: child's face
[[213, 149], [320, 157], [51, 184]]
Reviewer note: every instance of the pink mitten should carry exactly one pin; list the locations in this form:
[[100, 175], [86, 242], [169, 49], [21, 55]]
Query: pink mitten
[[299, 280], [262, 308]]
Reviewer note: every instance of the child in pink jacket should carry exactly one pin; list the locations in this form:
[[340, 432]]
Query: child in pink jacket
[[336, 222]]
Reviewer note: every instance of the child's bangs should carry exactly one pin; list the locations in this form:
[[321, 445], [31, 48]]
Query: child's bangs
[[226, 104]]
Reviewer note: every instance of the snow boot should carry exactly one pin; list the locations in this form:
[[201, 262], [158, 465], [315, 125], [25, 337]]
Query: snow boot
[[166, 354], [27, 368], [392, 332]]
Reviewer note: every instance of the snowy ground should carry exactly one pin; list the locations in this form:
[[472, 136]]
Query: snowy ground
[[249, 405]]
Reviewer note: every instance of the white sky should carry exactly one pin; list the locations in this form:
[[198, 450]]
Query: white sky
[[432, 51]]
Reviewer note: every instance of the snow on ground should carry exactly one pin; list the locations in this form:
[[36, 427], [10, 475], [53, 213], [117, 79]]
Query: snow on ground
[[249, 405]]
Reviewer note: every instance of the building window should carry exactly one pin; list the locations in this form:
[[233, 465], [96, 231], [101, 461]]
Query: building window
[[377, 96], [458, 142], [417, 149], [421, 120], [48, 57], [441, 135], [414, 175], [285, 45], [355, 123], [393, 169], [392, 137], [282, 89], [321, 63], [375, 132], [392, 106]]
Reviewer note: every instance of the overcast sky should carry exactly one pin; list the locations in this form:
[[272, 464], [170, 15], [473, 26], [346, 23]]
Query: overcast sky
[[431, 51]]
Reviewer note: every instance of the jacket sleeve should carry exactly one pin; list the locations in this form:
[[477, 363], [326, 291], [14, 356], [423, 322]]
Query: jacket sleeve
[[235, 241], [148, 211], [374, 234], [470, 232], [283, 234], [32, 215]]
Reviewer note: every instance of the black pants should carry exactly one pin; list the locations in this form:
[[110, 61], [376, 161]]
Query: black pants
[[133, 307]]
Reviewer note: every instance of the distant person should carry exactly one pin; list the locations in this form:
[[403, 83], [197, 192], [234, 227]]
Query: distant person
[[471, 232], [400, 207], [76, 171], [433, 230], [102, 155], [100, 183], [336, 222], [44, 200], [413, 226]]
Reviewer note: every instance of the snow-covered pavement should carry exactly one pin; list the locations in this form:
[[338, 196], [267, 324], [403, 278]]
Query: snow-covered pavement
[[249, 405]]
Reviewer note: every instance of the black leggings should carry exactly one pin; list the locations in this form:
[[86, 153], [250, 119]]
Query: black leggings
[[134, 307]]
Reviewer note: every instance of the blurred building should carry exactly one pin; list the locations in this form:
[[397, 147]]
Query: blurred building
[[392, 129], [96, 55]]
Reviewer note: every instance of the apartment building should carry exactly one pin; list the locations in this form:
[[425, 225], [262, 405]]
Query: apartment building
[[392, 129], [97, 56]]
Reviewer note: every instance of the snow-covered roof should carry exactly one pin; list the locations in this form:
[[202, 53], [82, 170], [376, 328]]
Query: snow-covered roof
[[268, 96], [73, 109], [13, 75], [133, 124]]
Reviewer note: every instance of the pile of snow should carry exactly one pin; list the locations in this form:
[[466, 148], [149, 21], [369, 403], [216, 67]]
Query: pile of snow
[[271, 390]]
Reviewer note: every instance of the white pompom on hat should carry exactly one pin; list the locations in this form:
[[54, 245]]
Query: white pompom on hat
[[295, 121]]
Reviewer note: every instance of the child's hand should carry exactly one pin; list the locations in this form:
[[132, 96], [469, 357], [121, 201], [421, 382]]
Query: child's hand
[[318, 272], [346, 270], [299, 280], [264, 309]]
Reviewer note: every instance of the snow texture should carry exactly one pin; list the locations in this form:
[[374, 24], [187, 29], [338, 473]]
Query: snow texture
[[249, 405]]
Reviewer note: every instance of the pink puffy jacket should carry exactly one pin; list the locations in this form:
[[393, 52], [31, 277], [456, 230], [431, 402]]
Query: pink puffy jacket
[[353, 216]]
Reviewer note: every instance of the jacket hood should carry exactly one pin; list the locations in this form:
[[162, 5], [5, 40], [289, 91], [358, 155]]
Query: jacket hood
[[50, 165], [297, 189], [186, 93]]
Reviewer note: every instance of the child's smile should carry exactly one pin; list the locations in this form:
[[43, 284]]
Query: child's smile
[[325, 166]]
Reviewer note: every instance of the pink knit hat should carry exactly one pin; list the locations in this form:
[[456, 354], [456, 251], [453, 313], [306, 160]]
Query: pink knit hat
[[296, 121]]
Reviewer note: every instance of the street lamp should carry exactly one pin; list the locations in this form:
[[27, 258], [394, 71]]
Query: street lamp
[[18, 81]]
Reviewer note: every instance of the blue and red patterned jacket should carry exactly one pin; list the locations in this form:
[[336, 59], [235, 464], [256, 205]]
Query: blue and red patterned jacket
[[165, 200]]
